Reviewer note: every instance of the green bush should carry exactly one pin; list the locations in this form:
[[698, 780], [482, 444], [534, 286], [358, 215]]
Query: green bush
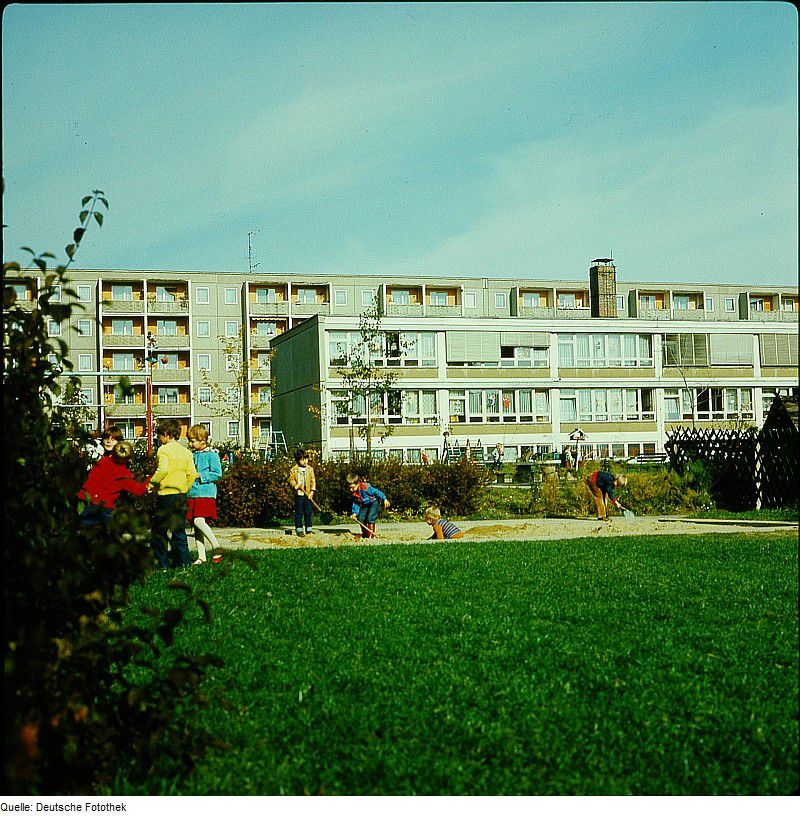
[[85, 694]]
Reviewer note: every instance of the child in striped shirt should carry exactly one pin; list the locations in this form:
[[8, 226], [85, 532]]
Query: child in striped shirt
[[441, 527]]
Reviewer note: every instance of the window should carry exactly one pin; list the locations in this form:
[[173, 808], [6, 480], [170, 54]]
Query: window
[[201, 295], [207, 426], [457, 406], [203, 394], [231, 296], [672, 404], [85, 362], [86, 396], [730, 305], [53, 328], [204, 362], [306, 295], [438, 298], [122, 361], [568, 405], [648, 302], [500, 300], [232, 395], [166, 294], [266, 294], [620, 303], [470, 300], [168, 396], [756, 304], [681, 302], [567, 300], [340, 297], [717, 403], [168, 328], [686, 350], [55, 294], [709, 304], [531, 299], [203, 328], [168, 361], [788, 305], [21, 291], [401, 297], [120, 396], [419, 407], [262, 359], [120, 326], [231, 328], [264, 429], [266, 328], [523, 357], [367, 297], [232, 362], [121, 291], [605, 350], [84, 294], [264, 395], [84, 328], [606, 404], [233, 429]]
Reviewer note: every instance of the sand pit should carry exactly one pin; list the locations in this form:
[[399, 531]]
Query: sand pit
[[505, 530]]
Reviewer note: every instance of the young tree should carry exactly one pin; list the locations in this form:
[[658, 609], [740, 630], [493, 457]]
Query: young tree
[[368, 384]]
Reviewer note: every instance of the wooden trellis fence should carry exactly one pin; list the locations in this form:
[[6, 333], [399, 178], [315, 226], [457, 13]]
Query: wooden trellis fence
[[748, 469]]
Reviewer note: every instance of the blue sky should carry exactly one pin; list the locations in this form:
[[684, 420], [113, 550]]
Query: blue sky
[[498, 140]]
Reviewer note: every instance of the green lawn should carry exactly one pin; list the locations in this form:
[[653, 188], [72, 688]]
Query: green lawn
[[660, 665]]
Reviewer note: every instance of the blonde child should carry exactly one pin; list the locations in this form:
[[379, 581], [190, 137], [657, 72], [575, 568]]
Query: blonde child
[[174, 476], [367, 502], [202, 496], [441, 527]]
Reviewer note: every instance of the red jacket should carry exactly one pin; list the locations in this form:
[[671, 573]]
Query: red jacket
[[106, 480]]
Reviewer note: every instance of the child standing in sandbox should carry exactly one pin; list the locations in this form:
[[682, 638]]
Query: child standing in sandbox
[[367, 503], [442, 528], [304, 485], [201, 502]]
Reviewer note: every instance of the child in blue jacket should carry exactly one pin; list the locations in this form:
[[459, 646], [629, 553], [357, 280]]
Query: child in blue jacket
[[202, 496], [367, 502]]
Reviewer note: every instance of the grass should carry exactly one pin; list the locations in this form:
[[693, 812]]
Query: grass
[[658, 665]]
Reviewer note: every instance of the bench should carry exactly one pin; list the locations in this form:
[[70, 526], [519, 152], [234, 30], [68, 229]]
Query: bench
[[651, 458]]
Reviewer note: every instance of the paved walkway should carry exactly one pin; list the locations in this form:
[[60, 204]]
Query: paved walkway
[[497, 530]]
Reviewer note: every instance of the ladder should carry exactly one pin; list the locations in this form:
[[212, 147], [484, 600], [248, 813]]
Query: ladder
[[277, 443]]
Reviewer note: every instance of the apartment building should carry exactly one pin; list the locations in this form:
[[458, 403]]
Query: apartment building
[[525, 363]]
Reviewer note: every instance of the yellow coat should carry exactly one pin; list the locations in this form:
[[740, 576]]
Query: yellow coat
[[176, 472]]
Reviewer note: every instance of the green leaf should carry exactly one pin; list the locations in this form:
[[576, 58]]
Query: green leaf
[[70, 249], [85, 200], [47, 255], [99, 218], [27, 249], [104, 201], [41, 264], [78, 234], [83, 216], [11, 266]]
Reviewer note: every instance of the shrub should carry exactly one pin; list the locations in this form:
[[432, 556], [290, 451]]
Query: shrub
[[74, 710]]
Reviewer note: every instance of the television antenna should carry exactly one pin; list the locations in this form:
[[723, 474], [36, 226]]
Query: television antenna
[[252, 266]]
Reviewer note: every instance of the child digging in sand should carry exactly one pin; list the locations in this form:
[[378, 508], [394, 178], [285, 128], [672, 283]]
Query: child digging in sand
[[442, 528], [367, 502]]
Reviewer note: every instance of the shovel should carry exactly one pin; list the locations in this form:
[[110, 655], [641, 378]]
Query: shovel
[[628, 513]]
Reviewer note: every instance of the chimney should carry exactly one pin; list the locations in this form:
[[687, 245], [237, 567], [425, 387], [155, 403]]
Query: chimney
[[603, 288]]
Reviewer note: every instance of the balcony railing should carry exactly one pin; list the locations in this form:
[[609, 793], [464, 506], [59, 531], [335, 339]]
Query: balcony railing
[[649, 313], [689, 314], [123, 306], [172, 341], [774, 317], [171, 409], [573, 312], [311, 308], [261, 341], [123, 341], [178, 375], [279, 308], [537, 311], [167, 306], [404, 309], [124, 410], [443, 311]]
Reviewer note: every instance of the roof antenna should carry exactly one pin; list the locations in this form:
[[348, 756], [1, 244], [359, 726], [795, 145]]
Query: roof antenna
[[250, 263]]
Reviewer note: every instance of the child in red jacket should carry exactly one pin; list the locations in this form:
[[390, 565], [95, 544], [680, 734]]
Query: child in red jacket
[[106, 480]]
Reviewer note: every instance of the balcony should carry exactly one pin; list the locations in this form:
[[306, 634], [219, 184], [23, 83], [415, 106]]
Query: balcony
[[261, 341], [278, 309], [180, 306], [573, 312], [123, 306], [444, 311], [311, 308], [124, 410], [123, 341], [175, 375]]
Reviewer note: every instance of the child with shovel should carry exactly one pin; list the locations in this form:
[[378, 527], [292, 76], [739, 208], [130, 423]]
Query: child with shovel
[[601, 485], [367, 502]]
